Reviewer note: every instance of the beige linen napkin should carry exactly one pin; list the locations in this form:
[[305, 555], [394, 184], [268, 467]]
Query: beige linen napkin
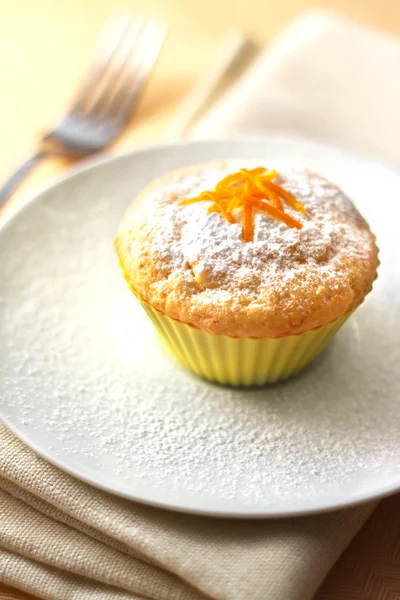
[[322, 77], [62, 539]]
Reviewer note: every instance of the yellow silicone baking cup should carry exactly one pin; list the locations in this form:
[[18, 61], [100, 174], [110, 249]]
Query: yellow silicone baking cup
[[240, 361]]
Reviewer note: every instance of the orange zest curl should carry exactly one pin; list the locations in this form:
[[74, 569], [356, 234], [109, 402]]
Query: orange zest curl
[[248, 223], [250, 190]]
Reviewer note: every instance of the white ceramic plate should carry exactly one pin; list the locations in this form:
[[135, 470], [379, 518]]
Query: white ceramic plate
[[84, 383]]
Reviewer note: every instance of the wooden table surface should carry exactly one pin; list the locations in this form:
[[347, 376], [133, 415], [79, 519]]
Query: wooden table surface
[[46, 45]]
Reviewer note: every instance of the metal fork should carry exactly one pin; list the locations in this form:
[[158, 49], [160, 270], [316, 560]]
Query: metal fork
[[127, 52]]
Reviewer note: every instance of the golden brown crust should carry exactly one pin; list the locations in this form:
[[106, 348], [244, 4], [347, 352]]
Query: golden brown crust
[[195, 267]]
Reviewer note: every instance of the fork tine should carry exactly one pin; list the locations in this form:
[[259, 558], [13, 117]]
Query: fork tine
[[138, 71], [116, 67], [108, 46]]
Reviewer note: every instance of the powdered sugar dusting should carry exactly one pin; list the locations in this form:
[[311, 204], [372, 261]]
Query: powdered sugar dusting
[[210, 260], [213, 247], [108, 400]]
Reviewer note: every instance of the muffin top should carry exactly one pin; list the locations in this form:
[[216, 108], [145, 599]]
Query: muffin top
[[247, 276]]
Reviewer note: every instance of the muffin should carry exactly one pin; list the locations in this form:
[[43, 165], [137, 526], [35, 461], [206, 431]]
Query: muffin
[[246, 273]]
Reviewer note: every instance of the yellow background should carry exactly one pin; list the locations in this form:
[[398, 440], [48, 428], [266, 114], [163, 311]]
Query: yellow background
[[45, 46]]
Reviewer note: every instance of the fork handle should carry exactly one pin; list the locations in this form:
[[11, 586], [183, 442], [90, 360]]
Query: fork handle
[[16, 178]]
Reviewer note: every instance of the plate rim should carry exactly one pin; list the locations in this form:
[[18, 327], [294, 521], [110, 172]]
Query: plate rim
[[250, 514], [96, 162]]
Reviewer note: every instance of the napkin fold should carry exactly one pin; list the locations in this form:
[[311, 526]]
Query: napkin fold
[[62, 539], [323, 77]]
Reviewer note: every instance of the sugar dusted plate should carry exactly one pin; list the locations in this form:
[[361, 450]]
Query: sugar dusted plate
[[84, 382]]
